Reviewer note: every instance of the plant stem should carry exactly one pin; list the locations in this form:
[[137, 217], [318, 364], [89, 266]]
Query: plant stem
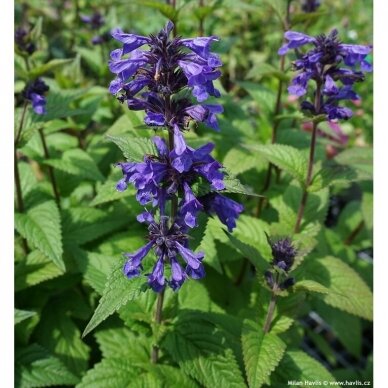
[[303, 202], [158, 320], [17, 138], [271, 306], [354, 233], [277, 109], [50, 169], [201, 20]]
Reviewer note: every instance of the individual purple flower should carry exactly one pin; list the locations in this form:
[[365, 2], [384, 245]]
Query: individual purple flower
[[332, 65], [35, 92], [168, 243], [225, 208]]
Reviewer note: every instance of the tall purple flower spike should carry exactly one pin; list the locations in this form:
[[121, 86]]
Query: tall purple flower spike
[[333, 65], [35, 92], [150, 80]]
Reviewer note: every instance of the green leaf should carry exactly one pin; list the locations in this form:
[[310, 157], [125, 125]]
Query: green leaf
[[287, 158], [134, 148], [107, 192], [165, 9], [52, 65], [85, 224], [360, 159], [41, 226], [77, 162], [58, 105], [201, 351], [35, 269], [311, 286], [119, 290], [233, 185], [238, 160], [347, 291], [331, 174], [262, 353], [264, 97], [298, 366], [21, 315], [36, 367], [58, 333], [367, 209]]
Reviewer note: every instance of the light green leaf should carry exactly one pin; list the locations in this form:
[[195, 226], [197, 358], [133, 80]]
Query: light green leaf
[[367, 209], [311, 286], [359, 159], [165, 9], [41, 226], [134, 148], [298, 366], [233, 185], [238, 160], [21, 315], [59, 334], [77, 162], [119, 290], [264, 97], [347, 291], [36, 367], [35, 269], [288, 159], [52, 65], [262, 353], [200, 348]]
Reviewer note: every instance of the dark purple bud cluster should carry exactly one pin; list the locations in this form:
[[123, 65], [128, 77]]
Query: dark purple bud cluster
[[333, 66], [35, 92], [162, 81], [23, 41], [96, 21], [283, 254], [310, 5]]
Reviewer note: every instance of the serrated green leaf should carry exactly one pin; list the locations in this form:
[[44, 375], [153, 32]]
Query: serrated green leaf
[[77, 162], [36, 367], [84, 224], [119, 290], [311, 285], [331, 174], [41, 227], [134, 148], [124, 343], [238, 160], [347, 291], [21, 315], [262, 353], [111, 373], [287, 158], [200, 350], [298, 366], [264, 97], [36, 269], [233, 185]]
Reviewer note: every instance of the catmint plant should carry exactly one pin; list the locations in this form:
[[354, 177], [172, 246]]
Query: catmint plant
[[165, 81], [331, 68]]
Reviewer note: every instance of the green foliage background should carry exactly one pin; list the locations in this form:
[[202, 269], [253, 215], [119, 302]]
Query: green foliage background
[[68, 258]]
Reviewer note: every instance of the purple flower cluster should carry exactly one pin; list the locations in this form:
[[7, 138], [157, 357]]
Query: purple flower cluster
[[163, 81], [23, 42], [96, 21], [334, 67], [35, 92], [146, 79]]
